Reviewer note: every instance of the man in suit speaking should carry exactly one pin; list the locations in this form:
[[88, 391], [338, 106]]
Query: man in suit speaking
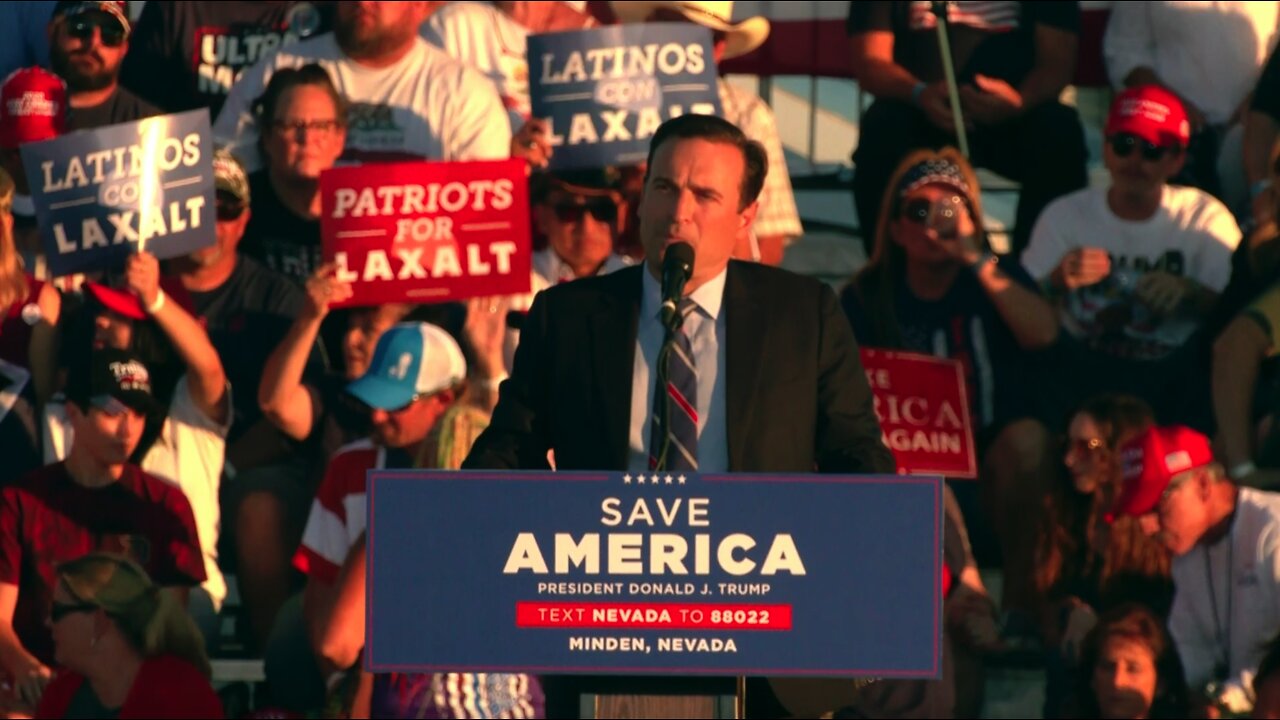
[[749, 369]]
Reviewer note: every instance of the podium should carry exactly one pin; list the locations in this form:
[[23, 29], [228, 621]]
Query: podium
[[656, 595]]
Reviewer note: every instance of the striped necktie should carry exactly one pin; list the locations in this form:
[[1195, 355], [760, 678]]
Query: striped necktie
[[674, 441]]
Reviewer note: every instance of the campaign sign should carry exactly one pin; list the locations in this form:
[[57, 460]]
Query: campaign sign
[[605, 91], [654, 573], [924, 412], [427, 231], [102, 194]]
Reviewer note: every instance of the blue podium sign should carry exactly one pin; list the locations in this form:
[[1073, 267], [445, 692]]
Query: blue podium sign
[[606, 90], [103, 194], [624, 573]]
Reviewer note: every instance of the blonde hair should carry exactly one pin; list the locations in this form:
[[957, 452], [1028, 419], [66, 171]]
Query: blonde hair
[[150, 619], [874, 283], [13, 283]]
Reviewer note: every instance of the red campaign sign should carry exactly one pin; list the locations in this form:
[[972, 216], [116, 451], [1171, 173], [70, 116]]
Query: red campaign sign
[[427, 231], [649, 615], [924, 412]]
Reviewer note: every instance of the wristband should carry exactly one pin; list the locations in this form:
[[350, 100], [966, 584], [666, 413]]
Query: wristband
[[1259, 187], [1242, 471], [155, 307], [916, 91]]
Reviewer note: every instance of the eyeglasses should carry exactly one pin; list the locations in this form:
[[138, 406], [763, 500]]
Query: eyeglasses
[[57, 611], [1124, 144], [296, 128], [229, 210], [109, 30], [603, 211]]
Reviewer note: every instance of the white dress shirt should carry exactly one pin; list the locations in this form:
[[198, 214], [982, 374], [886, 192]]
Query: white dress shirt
[[706, 330]]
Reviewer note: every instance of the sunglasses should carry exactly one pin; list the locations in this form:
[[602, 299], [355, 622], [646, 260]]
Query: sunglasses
[[229, 210], [1124, 144], [1085, 446], [603, 211], [58, 611], [941, 216], [109, 30], [296, 128]]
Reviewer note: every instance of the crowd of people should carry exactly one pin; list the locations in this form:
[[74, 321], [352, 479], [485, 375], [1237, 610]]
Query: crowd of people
[[168, 425]]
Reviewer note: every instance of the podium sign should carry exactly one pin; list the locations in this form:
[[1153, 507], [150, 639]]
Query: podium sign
[[644, 574]]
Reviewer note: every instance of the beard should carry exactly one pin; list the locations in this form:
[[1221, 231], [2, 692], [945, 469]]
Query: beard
[[372, 41], [77, 76]]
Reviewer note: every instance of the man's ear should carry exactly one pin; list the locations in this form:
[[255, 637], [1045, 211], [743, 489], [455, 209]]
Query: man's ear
[[747, 217]]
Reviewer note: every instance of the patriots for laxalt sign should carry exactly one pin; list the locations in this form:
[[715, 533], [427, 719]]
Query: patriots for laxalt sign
[[605, 91], [103, 194]]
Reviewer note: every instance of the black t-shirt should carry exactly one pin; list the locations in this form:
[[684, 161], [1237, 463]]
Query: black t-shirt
[[186, 55], [123, 106], [962, 325], [276, 236], [246, 317], [996, 39]]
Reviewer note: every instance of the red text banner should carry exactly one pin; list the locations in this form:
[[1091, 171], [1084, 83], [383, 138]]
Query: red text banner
[[688, 616], [427, 231], [923, 411]]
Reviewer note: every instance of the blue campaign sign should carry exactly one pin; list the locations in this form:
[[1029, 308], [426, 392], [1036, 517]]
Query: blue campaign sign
[[605, 91], [618, 573], [103, 194]]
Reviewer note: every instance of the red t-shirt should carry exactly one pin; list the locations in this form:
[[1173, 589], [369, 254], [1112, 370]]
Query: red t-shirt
[[166, 687], [47, 519]]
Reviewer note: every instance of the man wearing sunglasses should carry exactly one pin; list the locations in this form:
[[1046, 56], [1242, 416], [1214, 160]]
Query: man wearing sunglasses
[[579, 213], [87, 44], [1226, 546], [1136, 266]]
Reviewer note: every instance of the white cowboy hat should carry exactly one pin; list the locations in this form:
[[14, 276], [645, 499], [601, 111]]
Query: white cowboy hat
[[741, 38]]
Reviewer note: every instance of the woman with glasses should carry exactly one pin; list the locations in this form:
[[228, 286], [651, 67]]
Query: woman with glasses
[[933, 286], [1087, 561], [126, 648]]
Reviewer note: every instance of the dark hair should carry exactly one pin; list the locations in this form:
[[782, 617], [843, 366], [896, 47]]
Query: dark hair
[[717, 130], [1136, 623], [284, 79], [1131, 564]]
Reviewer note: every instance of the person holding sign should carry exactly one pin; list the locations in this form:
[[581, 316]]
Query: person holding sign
[[185, 443], [933, 286], [777, 222]]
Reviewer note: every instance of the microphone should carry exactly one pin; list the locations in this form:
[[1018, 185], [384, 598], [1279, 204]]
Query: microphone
[[677, 267]]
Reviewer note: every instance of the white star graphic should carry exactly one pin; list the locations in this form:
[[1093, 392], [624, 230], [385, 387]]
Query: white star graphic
[[640, 479], [668, 479], [626, 479], [680, 479]]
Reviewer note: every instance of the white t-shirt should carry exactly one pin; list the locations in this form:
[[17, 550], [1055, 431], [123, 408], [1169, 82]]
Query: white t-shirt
[[189, 454], [484, 38], [1191, 235], [1209, 53], [426, 106], [1243, 573]]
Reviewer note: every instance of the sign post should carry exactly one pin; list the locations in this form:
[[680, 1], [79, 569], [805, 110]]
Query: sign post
[[661, 586]]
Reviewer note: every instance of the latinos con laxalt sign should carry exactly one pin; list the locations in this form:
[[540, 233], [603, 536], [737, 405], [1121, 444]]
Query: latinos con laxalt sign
[[103, 194], [605, 91], [623, 573]]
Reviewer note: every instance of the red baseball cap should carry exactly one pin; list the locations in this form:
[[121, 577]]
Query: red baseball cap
[[1152, 113], [120, 302], [33, 107], [1150, 460]]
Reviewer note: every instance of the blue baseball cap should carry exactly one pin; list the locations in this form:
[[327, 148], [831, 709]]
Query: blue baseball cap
[[412, 360]]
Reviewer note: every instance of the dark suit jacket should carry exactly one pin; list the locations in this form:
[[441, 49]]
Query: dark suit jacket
[[797, 398]]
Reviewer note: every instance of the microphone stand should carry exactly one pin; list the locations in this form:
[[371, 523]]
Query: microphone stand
[[939, 10]]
